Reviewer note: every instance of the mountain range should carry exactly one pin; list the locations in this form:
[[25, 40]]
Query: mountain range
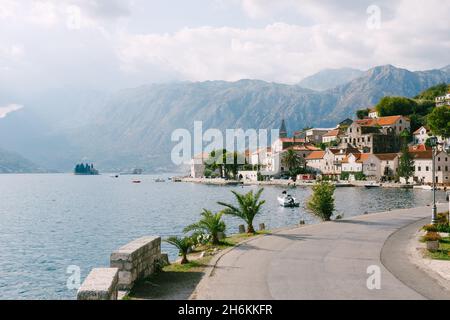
[[132, 128]]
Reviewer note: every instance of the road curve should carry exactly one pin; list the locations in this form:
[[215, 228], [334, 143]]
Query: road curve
[[325, 261]]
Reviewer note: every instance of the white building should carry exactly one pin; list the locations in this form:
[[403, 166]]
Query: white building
[[423, 167], [315, 162], [377, 166], [443, 100], [421, 135], [353, 163], [331, 136], [263, 158], [373, 113], [315, 135]]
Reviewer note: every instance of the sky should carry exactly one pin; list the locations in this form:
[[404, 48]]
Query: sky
[[113, 44]]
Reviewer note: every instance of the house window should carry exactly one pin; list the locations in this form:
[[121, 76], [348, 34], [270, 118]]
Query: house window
[[439, 158], [439, 168], [427, 168], [419, 169], [446, 168], [368, 139]]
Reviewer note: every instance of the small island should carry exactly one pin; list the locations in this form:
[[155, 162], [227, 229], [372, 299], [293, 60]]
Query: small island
[[85, 169]]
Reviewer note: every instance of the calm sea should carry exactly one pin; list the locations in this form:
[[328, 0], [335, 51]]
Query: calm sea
[[51, 222]]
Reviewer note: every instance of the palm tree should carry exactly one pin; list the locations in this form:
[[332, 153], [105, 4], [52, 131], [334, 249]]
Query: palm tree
[[248, 207], [291, 159], [183, 245], [210, 223]]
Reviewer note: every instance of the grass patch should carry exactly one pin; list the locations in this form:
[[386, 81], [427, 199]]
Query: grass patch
[[443, 252]]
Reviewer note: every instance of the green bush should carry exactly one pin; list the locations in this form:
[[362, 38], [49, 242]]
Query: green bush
[[321, 203], [443, 227]]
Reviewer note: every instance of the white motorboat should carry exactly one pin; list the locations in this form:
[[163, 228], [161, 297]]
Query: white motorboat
[[288, 201], [160, 180]]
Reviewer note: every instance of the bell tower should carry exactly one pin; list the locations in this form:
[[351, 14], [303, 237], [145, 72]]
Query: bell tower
[[283, 131]]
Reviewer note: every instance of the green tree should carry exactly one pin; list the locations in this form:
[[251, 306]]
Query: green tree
[[392, 106], [248, 207], [291, 159], [363, 113], [321, 203], [210, 224], [439, 121], [183, 245], [406, 164], [433, 92]]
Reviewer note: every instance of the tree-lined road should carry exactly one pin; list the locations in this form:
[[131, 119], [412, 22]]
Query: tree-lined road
[[325, 261]]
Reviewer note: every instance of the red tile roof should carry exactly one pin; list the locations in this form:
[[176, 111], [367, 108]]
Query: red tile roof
[[419, 148], [382, 121], [315, 155], [386, 156]]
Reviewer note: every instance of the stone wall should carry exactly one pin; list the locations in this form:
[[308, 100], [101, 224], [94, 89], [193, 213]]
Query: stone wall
[[100, 284], [136, 260], [130, 263]]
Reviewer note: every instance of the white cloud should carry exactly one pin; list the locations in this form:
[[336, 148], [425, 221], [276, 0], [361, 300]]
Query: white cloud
[[4, 111], [415, 36]]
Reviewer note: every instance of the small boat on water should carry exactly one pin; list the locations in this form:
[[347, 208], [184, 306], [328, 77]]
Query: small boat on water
[[372, 185], [160, 180], [136, 181], [288, 201]]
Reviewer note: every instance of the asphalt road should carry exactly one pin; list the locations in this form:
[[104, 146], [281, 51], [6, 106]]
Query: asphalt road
[[325, 261]]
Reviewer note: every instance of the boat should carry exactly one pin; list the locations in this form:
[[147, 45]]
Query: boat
[[424, 187], [372, 185], [288, 201], [160, 180], [136, 181]]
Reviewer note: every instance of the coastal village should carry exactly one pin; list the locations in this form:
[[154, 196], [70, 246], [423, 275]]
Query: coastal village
[[366, 149]]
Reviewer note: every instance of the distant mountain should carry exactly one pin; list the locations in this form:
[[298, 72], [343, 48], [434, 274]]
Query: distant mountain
[[330, 78], [14, 163], [132, 128]]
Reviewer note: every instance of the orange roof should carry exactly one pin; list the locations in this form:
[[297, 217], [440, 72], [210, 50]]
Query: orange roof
[[386, 156], [360, 157], [423, 155], [316, 155], [303, 147], [382, 121], [419, 148], [332, 133]]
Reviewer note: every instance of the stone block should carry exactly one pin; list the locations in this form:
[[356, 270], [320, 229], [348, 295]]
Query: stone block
[[100, 284]]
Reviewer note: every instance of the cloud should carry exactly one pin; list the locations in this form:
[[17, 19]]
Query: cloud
[[415, 37], [4, 111]]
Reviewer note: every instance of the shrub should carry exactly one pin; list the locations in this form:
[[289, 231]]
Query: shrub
[[321, 202], [431, 236], [430, 228], [443, 227]]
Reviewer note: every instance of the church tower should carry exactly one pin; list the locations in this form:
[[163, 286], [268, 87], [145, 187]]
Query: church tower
[[283, 131]]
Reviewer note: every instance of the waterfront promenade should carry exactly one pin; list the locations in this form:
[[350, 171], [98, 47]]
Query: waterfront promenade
[[326, 261]]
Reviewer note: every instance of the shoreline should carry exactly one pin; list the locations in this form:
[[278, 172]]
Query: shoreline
[[292, 184]]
